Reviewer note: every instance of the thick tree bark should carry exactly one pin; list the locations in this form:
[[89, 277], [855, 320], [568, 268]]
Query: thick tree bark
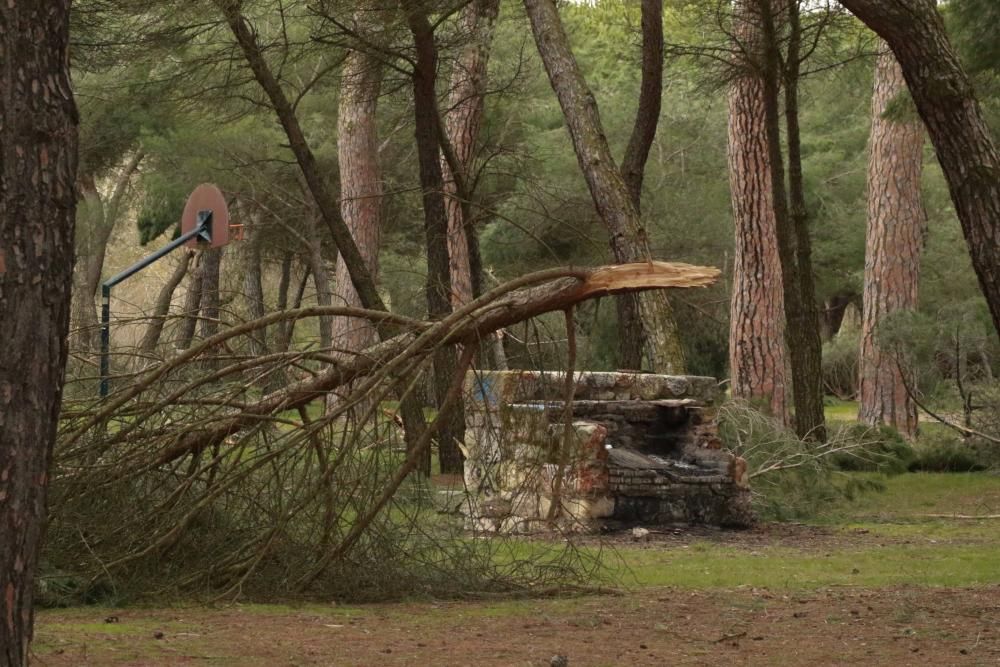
[[607, 186], [757, 355], [151, 337], [38, 162], [428, 141], [804, 325], [462, 122], [647, 118], [944, 97], [360, 187], [894, 240]]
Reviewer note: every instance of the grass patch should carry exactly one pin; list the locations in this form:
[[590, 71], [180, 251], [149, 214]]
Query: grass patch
[[911, 495], [707, 566], [836, 409]]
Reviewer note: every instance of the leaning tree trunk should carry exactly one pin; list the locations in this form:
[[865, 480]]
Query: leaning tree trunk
[[758, 364], [944, 97], [452, 432], [894, 239], [647, 118], [161, 309], [607, 186], [38, 144], [360, 187]]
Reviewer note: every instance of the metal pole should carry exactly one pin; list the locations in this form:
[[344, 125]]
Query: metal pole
[[105, 336], [203, 232]]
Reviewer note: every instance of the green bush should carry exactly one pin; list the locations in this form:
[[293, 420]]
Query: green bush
[[873, 449], [940, 449], [840, 365], [790, 478]]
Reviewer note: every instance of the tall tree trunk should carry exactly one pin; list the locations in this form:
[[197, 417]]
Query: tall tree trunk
[[647, 118], [462, 123], [283, 338], [436, 226], [98, 220], [894, 239], [360, 187], [211, 274], [253, 282], [944, 97], [90, 243], [807, 365], [607, 186], [38, 162], [321, 279], [325, 201], [757, 354], [161, 310], [806, 381], [192, 303]]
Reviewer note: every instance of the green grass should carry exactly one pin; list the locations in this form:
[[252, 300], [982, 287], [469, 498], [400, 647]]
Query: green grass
[[838, 410], [901, 544], [911, 495], [712, 566]]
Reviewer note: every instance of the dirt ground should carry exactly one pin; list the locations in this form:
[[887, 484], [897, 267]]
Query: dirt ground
[[899, 626], [832, 625]]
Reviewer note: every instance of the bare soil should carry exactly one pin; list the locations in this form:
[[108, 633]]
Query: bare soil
[[898, 626]]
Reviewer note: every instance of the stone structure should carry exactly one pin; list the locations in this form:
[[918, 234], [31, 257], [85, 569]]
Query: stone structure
[[631, 448]]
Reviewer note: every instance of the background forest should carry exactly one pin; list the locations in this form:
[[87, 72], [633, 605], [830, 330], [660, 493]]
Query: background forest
[[265, 437]]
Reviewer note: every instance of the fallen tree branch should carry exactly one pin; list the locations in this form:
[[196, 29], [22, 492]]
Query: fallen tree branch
[[526, 297]]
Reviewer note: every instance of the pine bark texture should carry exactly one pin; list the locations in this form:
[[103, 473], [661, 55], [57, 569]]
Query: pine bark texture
[[946, 102], [38, 162], [758, 359], [360, 188], [462, 123], [894, 239], [608, 189]]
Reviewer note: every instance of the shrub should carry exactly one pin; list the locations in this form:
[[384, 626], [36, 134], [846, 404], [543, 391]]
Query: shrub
[[873, 449], [840, 365], [790, 478], [940, 449]]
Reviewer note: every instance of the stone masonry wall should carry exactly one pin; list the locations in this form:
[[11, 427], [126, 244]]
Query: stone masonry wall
[[519, 460]]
